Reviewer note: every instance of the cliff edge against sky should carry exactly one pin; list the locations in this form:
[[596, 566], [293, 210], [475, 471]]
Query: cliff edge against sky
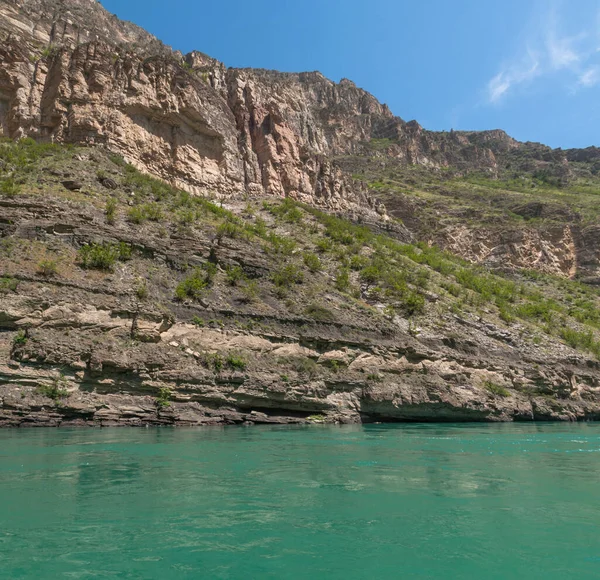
[[281, 263]]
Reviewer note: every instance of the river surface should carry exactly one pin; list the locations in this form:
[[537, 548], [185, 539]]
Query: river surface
[[402, 501]]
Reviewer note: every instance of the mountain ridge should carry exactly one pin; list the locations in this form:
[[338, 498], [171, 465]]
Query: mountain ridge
[[283, 122], [183, 243]]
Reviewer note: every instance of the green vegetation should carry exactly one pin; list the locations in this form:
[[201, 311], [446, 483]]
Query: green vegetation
[[342, 280], [583, 340], [56, 390], [9, 187], [19, 162], [496, 390], [235, 275], [281, 245], [250, 291], [145, 212], [49, 51], [104, 256], [361, 271], [324, 245], [111, 211], [312, 262], [47, 267], [8, 284], [163, 399], [320, 313], [316, 418], [302, 365], [21, 157], [141, 290], [144, 186], [236, 362], [381, 144], [193, 286], [136, 215], [213, 361], [288, 275], [185, 217], [20, 339], [231, 228], [520, 195], [335, 365], [288, 211]]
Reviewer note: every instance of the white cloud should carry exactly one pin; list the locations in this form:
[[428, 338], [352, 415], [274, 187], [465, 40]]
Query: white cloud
[[590, 77], [498, 86], [572, 60], [512, 75], [561, 52]]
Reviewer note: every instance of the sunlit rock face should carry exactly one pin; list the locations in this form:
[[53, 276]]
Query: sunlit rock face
[[70, 71]]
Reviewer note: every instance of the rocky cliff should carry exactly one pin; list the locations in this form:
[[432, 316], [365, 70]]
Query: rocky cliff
[[187, 120], [218, 293], [124, 301], [71, 72]]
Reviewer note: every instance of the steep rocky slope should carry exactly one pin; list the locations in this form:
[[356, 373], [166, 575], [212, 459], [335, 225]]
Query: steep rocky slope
[[218, 293], [536, 211], [189, 121], [70, 71], [124, 301]]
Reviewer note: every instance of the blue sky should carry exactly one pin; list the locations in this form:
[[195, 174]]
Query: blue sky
[[530, 67]]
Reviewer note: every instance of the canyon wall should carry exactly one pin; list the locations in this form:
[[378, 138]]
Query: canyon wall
[[72, 72]]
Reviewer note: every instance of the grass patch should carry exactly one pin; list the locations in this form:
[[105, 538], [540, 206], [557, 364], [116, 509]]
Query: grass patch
[[316, 418], [56, 390], [250, 291], [234, 275], [312, 262], [47, 268], [319, 313], [138, 214], [104, 256], [20, 339], [288, 211], [110, 211], [163, 399], [236, 362], [496, 390], [582, 340], [193, 287], [8, 284], [281, 245], [231, 228], [9, 187], [288, 275], [141, 290], [213, 361]]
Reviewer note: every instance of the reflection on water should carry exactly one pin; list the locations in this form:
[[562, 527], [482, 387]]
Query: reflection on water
[[431, 501]]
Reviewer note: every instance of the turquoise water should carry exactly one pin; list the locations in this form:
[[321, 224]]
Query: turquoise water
[[414, 501]]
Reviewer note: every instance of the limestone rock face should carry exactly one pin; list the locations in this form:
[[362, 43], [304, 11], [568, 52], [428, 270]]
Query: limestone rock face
[[552, 250], [288, 129], [157, 116], [72, 72], [83, 347], [69, 23]]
